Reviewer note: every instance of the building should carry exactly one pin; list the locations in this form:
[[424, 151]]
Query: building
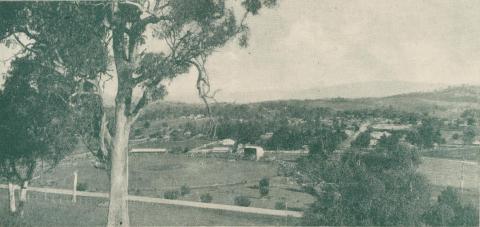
[[253, 152], [148, 150], [228, 142], [376, 135]]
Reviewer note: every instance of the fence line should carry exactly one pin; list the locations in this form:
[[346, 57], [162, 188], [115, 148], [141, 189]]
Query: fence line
[[214, 206]]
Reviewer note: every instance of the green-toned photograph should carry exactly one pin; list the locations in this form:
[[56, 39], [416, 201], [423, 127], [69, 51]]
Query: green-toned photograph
[[239, 113]]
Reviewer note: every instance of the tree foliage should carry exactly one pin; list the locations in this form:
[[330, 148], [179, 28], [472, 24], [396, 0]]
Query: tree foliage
[[36, 121], [378, 188], [449, 211]]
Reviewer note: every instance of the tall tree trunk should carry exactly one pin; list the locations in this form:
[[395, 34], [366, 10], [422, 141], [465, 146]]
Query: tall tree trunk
[[11, 195], [23, 198], [118, 208]]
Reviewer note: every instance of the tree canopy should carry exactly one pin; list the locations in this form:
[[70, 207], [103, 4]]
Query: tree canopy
[[35, 119]]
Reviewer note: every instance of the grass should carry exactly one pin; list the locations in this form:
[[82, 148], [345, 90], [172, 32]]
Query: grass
[[60, 211], [444, 172], [154, 174], [468, 196], [470, 153]]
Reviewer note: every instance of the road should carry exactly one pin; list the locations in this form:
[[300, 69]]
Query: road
[[252, 210], [346, 144]]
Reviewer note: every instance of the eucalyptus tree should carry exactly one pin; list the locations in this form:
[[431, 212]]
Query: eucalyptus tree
[[36, 124], [96, 41]]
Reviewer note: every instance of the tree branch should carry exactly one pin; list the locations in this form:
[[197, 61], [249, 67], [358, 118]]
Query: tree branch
[[22, 44], [142, 102]]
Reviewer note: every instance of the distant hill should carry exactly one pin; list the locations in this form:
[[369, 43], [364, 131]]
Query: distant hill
[[350, 90], [447, 102]]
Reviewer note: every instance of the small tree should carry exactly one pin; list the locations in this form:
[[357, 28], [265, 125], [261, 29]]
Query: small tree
[[206, 198], [242, 200], [184, 190], [264, 186], [469, 135], [172, 194]]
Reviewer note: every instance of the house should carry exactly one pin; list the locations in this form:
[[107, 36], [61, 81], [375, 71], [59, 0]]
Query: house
[[476, 142], [376, 135], [266, 136], [228, 142], [253, 152], [222, 146]]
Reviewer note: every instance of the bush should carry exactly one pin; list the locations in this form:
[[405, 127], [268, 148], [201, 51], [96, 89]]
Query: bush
[[206, 198], [184, 190], [264, 186], [82, 186], [455, 136], [242, 201], [280, 205], [171, 194], [449, 211]]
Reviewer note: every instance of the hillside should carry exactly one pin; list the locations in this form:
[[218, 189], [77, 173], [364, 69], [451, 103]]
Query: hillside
[[448, 102], [347, 90]]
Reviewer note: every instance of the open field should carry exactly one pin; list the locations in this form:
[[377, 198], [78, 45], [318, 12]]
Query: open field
[[445, 172], [471, 153], [57, 210], [153, 174]]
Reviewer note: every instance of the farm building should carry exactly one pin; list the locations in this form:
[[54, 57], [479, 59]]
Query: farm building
[[148, 150], [222, 146], [253, 152], [228, 142]]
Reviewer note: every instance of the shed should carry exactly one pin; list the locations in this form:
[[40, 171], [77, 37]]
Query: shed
[[148, 150], [253, 152]]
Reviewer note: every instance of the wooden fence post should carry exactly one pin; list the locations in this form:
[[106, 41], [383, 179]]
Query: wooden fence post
[[74, 194]]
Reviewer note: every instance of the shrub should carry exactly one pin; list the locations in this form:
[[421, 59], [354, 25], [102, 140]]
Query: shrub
[[455, 136], [264, 186], [184, 190], [242, 201], [280, 205], [206, 198], [171, 194], [82, 186]]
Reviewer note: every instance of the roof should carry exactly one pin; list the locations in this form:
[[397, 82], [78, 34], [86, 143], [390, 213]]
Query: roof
[[148, 150]]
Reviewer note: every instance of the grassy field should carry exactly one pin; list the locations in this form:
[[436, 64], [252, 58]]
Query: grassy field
[[444, 172], [153, 174], [471, 153], [56, 210]]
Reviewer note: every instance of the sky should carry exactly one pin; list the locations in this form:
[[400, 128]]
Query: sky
[[304, 44]]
